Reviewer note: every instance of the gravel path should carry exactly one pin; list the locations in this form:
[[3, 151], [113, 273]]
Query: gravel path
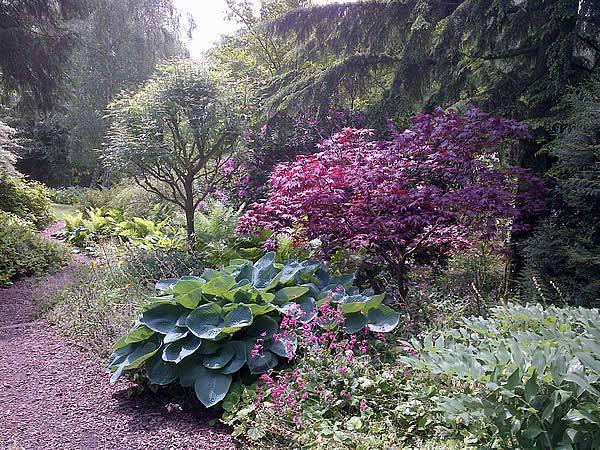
[[56, 396]]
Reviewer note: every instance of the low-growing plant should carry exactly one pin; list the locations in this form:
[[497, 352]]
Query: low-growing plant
[[96, 305], [24, 252], [534, 376], [99, 225], [343, 392], [203, 331]]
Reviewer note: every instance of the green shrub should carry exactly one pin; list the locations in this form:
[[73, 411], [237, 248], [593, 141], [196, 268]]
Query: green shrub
[[26, 199], [24, 252], [137, 202], [534, 377], [202, 330]]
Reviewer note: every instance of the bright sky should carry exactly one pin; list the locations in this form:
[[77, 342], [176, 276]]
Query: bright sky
[[210, 22]]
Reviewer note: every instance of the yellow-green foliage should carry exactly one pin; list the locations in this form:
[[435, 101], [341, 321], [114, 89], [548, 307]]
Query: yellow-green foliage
[[26, 199], [23, 251]]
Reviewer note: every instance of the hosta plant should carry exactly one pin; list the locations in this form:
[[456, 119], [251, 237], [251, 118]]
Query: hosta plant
[[204, 331], [534, 375]]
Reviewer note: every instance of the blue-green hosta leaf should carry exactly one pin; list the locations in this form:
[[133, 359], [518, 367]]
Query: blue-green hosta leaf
[[289, 271], [288, 294], [175, 352], [261, 363], [382, 319], [221, 358], [137, 334], [163, 285], [218, 286], [132, 356], [160, 372], [354, 322], [206, 322], [243, 272], [175, 335], [264, 273], [341, 280], [285, 346], [211, 387], [353, 303], [189, 369], [181, 321], [238, 360], [263, 327], [373, 302], [305, 309], [237, 319], [162, 317]]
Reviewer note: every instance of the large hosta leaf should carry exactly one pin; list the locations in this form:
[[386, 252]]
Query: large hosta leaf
[[238, 360], [211, 387], [262, 362], [189, 369], [175, 335], [137, 334], [263, 327], [163, 285], [132, 356], [264, 271], [218, 286], [355, 322], [162, 317], [221, 358], [288, 294], [285, 346], [237, 319], [206, 322], [178, 350], [289, 271], [160, 372], [382, 319]]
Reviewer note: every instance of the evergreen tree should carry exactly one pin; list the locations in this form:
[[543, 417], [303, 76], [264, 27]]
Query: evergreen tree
[[563, 257]]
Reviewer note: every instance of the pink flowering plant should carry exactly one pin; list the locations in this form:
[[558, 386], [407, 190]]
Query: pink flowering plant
[[241, 321], [344, 390], [430, 191]]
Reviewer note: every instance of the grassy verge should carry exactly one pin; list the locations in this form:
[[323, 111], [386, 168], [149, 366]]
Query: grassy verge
[[62, 211]]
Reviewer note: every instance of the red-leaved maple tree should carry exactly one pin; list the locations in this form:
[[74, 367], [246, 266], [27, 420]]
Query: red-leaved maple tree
[[431, 190]]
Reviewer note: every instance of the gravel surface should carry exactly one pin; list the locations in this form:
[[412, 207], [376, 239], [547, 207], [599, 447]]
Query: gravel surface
[[56, 396]]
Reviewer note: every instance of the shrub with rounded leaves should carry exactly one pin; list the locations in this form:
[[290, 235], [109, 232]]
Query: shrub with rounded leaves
[[201, 331]]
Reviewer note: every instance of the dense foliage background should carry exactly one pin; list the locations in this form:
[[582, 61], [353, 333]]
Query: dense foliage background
[[367, 223]]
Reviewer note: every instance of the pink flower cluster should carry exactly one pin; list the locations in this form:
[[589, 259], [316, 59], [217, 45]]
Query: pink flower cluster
[[288, 391]]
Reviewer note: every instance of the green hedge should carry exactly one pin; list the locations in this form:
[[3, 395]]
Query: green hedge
[[26, 199], [23, 251]]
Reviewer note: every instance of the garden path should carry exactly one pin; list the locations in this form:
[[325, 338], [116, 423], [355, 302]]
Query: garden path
[[56, 396]]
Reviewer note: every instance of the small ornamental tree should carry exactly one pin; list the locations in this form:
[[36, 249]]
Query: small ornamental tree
[[430, 191], [176, 137]]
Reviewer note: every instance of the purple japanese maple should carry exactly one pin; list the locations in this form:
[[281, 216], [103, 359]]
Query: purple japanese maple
[[431, 190]]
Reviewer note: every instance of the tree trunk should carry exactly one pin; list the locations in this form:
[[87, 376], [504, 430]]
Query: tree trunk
[[189, 213]]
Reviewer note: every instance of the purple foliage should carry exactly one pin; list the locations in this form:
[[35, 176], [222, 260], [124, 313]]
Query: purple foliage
[[427, 192]]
